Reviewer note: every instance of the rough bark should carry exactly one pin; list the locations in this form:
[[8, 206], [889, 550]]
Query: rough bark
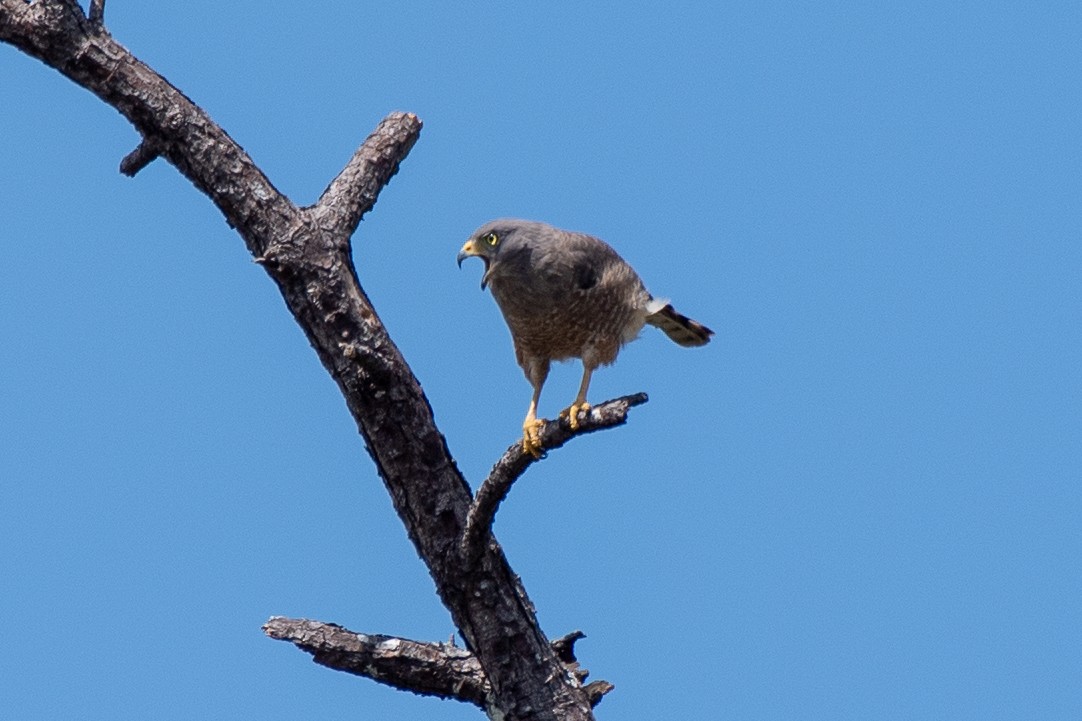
[[516, 672], [430, 669]]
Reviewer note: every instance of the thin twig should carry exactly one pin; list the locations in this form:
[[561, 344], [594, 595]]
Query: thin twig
[[515, 461]]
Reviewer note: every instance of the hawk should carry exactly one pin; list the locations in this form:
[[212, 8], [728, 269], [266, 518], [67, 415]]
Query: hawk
[[567, 295]]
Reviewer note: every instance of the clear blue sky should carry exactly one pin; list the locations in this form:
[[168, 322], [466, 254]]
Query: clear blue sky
[[861, 502]]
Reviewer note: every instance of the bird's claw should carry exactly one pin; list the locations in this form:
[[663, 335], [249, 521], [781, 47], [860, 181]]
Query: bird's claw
[[531, 437], [572, 413]]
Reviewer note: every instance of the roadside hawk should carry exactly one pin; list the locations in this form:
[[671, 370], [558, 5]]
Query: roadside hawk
[[567, 295]]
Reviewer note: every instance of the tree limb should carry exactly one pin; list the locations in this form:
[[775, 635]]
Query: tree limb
[[515, 461], [428, 669], [97, 12], [432, 669], [353, 192]]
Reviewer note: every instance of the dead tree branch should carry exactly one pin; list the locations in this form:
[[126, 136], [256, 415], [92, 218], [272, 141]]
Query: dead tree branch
[[97, 12], [429, 669], [515, 461]]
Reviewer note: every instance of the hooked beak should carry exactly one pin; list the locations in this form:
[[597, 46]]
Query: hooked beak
[[466, 251], [470, 250]]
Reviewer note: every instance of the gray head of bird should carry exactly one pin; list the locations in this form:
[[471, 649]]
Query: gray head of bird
[[492, 239]]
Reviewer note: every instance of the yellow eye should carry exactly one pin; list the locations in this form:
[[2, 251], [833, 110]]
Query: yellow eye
[[490, 238]]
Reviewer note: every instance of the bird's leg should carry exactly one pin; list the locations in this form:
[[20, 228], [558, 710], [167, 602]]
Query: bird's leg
[[580, 405], [536, 372]]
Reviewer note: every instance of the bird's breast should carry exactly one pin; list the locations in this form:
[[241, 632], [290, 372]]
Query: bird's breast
[[566, 324]]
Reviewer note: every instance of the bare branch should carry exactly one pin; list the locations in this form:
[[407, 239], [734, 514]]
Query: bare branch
[[97, 12], [429, 669], [352, 193], [515, 461]]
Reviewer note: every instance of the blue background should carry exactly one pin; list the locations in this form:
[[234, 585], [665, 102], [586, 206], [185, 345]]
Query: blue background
[[861, 502]]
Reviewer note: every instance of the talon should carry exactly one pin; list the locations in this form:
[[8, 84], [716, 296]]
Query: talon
[[572, 413], [531, 437]]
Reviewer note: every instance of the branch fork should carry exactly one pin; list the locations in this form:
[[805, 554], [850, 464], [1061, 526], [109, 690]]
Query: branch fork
[[514, 462]]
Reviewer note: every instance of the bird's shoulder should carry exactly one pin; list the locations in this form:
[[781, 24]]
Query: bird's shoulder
[[551, 260], [571, 250]]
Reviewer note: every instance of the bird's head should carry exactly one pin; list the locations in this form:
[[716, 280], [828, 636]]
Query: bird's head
[[488, 241]]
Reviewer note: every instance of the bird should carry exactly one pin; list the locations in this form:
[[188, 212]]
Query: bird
[[567, 295]]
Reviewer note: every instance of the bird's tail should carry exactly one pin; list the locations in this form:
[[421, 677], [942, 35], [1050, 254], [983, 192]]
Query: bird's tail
[[683, 330]]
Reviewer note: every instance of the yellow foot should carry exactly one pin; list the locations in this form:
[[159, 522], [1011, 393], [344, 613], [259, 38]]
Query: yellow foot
[[572, 413], [531, 437]]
